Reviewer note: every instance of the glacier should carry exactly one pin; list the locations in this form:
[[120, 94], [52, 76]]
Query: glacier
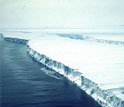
[[94, 67]]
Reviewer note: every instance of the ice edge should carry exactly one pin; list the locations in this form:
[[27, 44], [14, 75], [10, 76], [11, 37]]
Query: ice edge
[[91, 88]]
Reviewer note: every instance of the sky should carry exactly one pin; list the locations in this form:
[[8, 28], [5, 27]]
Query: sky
[[37, 13]]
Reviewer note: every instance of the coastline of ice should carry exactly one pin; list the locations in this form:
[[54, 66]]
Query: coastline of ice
[[95, 68]]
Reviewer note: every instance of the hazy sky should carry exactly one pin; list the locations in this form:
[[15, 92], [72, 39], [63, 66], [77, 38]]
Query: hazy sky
[[28, 13]]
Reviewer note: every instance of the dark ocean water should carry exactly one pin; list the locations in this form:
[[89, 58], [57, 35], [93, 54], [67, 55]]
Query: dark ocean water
[[23, 84]]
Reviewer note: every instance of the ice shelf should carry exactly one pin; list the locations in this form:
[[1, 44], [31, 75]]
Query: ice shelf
[[96, 68]]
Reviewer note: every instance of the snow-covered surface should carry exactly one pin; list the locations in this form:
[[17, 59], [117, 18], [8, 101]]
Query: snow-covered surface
[[22, 34], [101, 63]]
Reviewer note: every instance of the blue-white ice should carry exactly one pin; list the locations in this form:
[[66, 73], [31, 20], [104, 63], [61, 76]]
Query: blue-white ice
[[95, 66]]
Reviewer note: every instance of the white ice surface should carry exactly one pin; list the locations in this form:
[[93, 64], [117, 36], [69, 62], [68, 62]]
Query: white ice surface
[[23, 34], [101, 63]]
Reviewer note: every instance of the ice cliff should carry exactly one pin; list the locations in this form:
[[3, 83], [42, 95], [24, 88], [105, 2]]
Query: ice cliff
[[75, 76], [91, 88]]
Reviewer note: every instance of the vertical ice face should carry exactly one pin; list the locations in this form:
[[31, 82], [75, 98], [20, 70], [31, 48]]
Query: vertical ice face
[[16, 40], [103, 97]]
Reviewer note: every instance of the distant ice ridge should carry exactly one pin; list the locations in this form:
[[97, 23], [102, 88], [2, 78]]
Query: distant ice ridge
[[91, 38], [76, 36], [102, 96]]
